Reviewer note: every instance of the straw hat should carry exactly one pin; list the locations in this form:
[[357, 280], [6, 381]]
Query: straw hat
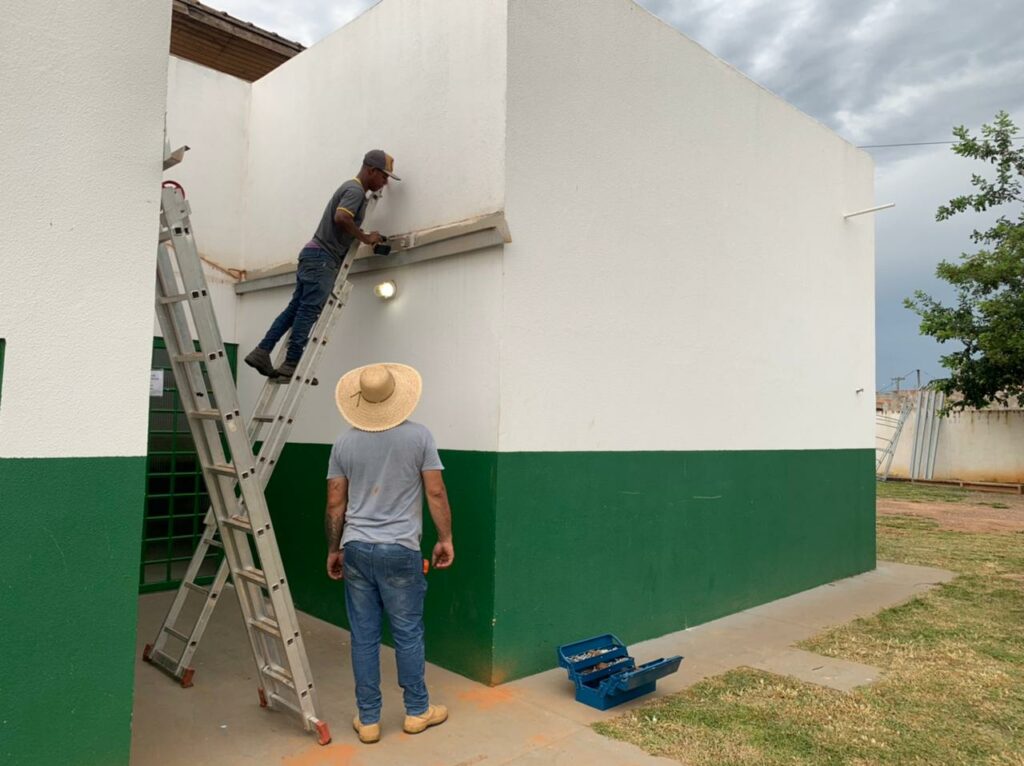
[[378, 396]]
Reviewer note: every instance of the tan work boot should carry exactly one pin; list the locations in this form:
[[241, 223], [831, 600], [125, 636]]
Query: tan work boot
[[368, 733], [436, 714]]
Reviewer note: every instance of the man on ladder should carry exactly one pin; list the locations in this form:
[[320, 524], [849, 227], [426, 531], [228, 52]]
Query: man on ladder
[[320, 261]]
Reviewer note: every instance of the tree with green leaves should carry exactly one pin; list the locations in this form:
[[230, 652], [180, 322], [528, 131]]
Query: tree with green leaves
[[988, 317]]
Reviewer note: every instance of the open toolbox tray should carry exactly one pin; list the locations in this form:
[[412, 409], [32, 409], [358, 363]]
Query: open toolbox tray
[[604, 673]]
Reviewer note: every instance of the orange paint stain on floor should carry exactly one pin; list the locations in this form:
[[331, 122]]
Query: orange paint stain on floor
[[486, 698], [540, 740], [331, 755]]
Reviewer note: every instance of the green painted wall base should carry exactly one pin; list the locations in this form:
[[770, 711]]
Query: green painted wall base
[[641, 544], [70, 533], [555, 547], [460, 601]]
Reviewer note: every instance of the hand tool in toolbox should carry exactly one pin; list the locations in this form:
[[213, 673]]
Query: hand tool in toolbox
[[605, 675]]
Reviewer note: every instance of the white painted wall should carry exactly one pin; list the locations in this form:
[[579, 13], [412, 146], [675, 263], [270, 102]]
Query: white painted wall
[[444, 322], [209, 111], [81, 137], [973, 445], [678, 241], [421, 79], [425, 82]]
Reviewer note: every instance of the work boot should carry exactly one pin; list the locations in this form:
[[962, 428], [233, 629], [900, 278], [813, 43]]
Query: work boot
[[368, 733], [436, 714], [286, 371], [259, 360]]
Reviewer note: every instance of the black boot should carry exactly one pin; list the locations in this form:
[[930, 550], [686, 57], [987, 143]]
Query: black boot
[[285, 372], [259, 360]]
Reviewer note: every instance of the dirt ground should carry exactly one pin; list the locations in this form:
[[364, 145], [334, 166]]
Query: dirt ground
[[975, 513]]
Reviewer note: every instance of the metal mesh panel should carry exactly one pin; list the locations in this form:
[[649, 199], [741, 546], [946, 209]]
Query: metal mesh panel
[[176, 499]]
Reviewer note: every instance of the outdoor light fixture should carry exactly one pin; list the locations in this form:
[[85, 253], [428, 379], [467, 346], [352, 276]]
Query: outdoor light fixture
[[386, 290]]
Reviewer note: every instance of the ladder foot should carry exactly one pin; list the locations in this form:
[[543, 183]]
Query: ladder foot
[[263, 698], [147, 653], [186, 678], [323, 734]]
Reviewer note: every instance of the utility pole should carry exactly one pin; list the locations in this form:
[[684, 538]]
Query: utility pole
[[918, 379], [897, 380]]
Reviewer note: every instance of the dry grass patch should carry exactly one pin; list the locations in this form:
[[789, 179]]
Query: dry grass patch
[[953, 691]]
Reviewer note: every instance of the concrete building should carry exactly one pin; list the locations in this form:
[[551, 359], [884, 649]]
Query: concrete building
[[677, 236]]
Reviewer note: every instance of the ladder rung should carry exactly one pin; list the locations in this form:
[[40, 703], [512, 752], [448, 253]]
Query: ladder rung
[[253, 575], [215, 544], [267, 625], [279, 674], [223, 469], [205, 414], [180, 297], [239, 522], [178, 635], [190, 356], [197, 588], [264, 418]]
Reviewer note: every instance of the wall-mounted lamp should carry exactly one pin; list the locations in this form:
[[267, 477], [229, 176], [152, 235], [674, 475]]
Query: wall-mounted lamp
[[386, 290]]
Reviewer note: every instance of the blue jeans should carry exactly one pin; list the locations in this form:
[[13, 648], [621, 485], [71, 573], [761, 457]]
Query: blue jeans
[[314, 281], [383, 578]]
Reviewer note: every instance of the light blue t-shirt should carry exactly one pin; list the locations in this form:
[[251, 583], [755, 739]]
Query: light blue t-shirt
[[385, 486]]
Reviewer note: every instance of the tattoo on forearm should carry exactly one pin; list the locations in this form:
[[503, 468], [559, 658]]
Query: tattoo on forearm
[[332, 529]]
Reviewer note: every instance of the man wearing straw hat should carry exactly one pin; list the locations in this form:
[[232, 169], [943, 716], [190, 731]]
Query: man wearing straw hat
[[375, 483]]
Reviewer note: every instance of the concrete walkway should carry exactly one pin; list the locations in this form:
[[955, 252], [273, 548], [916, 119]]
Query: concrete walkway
[[531, 721]]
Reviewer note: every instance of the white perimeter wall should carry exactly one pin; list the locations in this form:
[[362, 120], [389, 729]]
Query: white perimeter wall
[[208, 111], [972, 446], [680, 271], [81, 134], [425, 81]]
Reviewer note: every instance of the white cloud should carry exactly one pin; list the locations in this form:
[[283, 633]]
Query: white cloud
[[304, 21]]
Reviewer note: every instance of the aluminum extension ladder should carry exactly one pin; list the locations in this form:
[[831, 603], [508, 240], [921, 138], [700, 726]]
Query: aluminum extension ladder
[[238, 520], [889, 451]]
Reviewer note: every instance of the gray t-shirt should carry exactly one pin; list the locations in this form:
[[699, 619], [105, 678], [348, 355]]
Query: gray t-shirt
[[350, 197], [385, 488]]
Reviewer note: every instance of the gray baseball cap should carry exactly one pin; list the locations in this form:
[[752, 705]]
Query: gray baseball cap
[[378, 158]]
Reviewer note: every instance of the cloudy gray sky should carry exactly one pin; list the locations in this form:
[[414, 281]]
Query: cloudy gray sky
[[877, 72]]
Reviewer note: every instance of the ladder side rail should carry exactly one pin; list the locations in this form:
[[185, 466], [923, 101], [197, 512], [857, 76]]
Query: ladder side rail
[[291, 642], [269, 453], [174, 327], [248, 483], [285, 413], [288, 622], [275, 445], [205, 433], [210, 451], [280, 430], [220, 581], [266, 459], [256, 601]]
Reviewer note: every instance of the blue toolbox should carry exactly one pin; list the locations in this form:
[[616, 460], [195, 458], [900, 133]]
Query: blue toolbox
[[605, 675]]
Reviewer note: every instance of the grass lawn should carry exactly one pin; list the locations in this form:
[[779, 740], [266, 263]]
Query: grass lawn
[[953, 691]]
